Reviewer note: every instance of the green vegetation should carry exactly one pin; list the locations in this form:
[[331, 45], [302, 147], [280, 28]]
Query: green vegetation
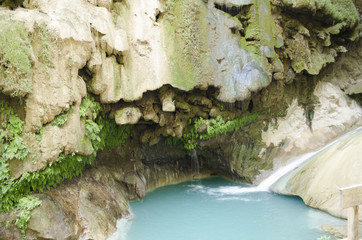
[[213, 128], [12, 145], [39, 136], [15, 59], [342, 11], [112, 135], [66, 166], [26, 204], [340, 15], [174, 141], [61, 119], [45, 41], [12, 4], [89, 108], [186, 37], [102, 132]]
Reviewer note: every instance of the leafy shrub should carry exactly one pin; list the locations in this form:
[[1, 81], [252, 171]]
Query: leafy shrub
[[102, 132], [14, 193]]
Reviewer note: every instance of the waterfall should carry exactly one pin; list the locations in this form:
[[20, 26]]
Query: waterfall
[[195, 166], [265, 185], [272, 179]]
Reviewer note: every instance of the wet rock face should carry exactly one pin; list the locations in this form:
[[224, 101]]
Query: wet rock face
[[85, 208], [119, 51], [159, 66], [346, 73], [88, 207]]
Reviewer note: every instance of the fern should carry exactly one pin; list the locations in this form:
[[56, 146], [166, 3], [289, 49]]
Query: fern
[[214, 128], [16, 149], [12, 145], [102, 132], [61, 119], [89, 108], [24, 207], [112, 135]]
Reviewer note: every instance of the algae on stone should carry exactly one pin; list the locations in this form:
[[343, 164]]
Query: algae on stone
[[15, 59], [186, 38], [339, 15]]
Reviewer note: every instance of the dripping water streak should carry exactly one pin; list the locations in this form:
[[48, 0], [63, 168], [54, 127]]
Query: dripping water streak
[[195, 163]]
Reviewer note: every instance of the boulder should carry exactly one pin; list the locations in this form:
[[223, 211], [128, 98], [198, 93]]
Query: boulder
[[128, 115]]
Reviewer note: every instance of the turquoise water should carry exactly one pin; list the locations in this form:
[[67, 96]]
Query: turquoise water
[[217, 209]]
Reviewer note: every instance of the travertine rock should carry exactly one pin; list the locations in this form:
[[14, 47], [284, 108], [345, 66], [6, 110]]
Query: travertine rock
[[334, 109], [319, 180], [128, 115]]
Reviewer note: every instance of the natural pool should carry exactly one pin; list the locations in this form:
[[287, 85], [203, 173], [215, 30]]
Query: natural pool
[[217, 209]]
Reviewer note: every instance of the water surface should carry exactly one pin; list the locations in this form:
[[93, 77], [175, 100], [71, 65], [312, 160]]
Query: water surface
[[217, 209]]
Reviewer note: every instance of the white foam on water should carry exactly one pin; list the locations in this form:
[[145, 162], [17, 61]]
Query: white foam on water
[[272, 179], [242, 199], [265, 185], [123, 226]]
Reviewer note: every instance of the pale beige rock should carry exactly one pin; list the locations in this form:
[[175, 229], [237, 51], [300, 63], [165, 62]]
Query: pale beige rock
[[58, 86], [78, 33], [146, 61], [106, 4], [49, 220], [214, 112], [128, 115], [107, 80], [168, 105], [318, 182], [334, 109], [69, 138], [233, 69], [346, 73], [334, 115], [150, 114]]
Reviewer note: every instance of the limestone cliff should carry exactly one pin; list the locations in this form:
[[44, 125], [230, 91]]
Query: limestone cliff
[[130, 93]]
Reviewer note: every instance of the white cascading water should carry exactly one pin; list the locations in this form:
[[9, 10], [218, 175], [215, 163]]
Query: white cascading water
[[227, 193], [265, 185], [195, 163], [272, 179]]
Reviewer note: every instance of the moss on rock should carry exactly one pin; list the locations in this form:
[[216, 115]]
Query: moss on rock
[[338, 15], [186, 38], [12, 4], [15, 59]]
